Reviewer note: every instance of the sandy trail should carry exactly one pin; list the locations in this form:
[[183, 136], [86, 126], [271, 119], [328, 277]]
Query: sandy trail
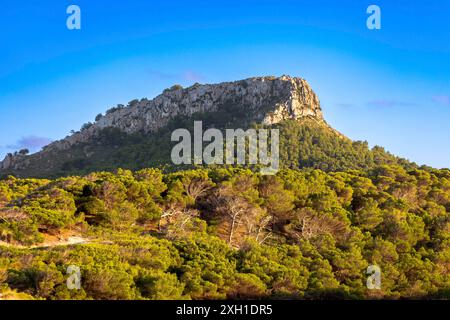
[[72, 240]]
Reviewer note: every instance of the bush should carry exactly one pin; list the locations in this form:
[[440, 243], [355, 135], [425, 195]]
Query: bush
[[98, 117]]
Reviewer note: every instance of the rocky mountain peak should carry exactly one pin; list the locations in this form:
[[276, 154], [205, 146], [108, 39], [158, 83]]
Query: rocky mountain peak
[[266, 100]]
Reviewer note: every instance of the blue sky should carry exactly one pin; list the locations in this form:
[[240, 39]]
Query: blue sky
[[390, 87]]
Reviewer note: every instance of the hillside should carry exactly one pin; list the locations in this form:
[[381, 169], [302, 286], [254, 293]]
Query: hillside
[[228, 233], [108, 200], [138, 136]]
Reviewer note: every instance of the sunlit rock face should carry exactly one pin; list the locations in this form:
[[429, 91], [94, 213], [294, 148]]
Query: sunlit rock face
[[264, 99]]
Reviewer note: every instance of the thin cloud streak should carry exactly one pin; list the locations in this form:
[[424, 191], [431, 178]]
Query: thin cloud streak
[[188, 75], [345, 105], [385, 103], [30, 142], [443, 100]]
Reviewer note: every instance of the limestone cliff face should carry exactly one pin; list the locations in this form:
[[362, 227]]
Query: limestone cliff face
[[267, 99]]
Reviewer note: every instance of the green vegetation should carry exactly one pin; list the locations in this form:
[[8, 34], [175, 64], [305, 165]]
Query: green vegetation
[[114, 109], [303, 144], [86, 126], [98, 117], [231, 233]]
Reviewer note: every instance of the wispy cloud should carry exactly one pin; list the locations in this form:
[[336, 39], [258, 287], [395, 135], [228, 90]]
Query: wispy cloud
[[30, 142], [161, 75], [344, 105], [192, 76], [444, 100], [385, 103], [188, 75]]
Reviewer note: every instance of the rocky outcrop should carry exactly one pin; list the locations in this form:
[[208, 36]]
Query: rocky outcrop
[[265, 99], [8, 162], [12, 161]]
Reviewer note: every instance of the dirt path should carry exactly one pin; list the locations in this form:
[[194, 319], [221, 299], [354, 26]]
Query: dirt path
[[51, 243]]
